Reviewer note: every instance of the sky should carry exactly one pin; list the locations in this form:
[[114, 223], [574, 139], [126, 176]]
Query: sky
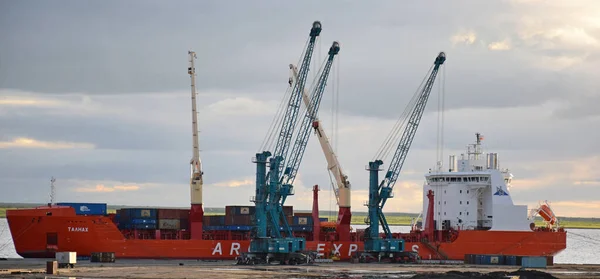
[[97, 95]]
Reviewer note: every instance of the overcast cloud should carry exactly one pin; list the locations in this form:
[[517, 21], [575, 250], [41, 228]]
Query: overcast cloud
[[96, 94]]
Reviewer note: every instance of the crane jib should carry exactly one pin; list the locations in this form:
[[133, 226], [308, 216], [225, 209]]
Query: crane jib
[[299, 147], [380, 192]]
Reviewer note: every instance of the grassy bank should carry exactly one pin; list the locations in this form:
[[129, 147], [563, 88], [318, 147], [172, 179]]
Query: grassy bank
[[358, 218]]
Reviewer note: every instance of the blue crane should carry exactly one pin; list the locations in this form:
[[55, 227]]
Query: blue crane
[[293, 165], [272, 188], [379, 192], [263, 192]]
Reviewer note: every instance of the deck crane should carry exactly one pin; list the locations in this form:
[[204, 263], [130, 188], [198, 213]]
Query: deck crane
[[375, 246], [196, 212], [273, 188], [342, 185]]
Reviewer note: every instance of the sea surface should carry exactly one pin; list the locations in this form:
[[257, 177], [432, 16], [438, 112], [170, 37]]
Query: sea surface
[[582, 244]]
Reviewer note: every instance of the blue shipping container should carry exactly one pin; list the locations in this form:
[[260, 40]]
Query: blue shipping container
[[86, 208], [143, 221], [139, 213], [534, 262], [137, 226], [302, 228], [511, 260]]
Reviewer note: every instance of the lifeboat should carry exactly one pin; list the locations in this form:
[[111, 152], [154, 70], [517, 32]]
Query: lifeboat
[[546, 212]]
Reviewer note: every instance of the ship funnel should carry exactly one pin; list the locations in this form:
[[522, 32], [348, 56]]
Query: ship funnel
[[492, 161], [452, 163]]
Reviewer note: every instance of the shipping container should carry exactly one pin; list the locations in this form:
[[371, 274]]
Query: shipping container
[[143, 221], [138, 213], [303, 214], [184, 224], [139, 226], [231, 210], [288, 210], [534, 262], [246, 220], [214, 220], [169, 224], [301, 228], [303, 220], [510, 260], [164, 213], [86, 208]]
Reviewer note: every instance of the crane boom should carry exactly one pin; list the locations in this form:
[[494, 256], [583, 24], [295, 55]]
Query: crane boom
[[310, 116], [379, 192], [285, 185], [289, 120], [383, 190], [342, 186]]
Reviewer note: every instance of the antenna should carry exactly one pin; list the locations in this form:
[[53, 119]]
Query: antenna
[[52, 190]]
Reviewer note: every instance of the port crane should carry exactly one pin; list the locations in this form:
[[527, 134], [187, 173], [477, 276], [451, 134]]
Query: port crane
[[196, 212], [342, 186], [273, 188], [376, 247]]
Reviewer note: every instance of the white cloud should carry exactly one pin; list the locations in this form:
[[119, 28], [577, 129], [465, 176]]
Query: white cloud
[[31, 102], [243, 106], [467, 37], [102, 188], [500, 45], [235, 183], [33, 143]]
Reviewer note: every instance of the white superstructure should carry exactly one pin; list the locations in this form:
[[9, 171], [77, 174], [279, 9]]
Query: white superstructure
[[473, 194]]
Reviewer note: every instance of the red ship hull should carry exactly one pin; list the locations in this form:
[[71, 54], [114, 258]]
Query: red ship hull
[[38, 235]]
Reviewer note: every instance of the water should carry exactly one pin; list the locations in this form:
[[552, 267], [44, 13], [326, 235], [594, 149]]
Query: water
[[582, 244]]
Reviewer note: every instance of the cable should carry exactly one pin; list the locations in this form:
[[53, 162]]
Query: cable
[[394, 134], [585, 236]]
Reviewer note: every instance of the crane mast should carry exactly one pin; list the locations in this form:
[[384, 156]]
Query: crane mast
[[342, 186], [197, 212], [379, 192]]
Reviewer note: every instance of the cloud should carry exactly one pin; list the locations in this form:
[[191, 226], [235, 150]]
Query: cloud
[[235, 183], [467, 38], [576, 208], [33, 102], [501, 45], [242, 106], [102, 188], [33, 143]]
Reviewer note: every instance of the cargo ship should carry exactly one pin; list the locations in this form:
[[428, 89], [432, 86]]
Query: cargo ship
[[467, 209]]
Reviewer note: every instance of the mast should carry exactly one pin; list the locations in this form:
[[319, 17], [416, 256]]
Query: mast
[[197, 212], [52, 191]]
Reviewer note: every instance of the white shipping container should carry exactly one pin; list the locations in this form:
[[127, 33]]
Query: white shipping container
[[66, 257], [169, 224]]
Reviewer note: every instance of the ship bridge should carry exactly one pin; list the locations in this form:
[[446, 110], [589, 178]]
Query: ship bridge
[[473, 194]]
